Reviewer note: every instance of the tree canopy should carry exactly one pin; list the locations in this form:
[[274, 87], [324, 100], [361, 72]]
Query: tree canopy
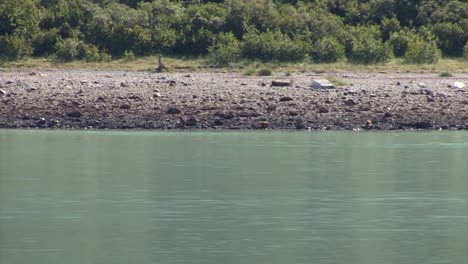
[[360, 31]]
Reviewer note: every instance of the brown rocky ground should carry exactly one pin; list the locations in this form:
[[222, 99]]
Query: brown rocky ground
[[143, 100]]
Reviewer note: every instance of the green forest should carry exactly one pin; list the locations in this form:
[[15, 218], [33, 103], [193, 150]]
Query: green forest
[[322, 31]]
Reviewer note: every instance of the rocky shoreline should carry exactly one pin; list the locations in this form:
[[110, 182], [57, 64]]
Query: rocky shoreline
[[85, 99]]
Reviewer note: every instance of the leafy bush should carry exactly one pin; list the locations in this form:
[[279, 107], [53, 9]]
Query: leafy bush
[[445, 74], [465, 51], [92, 53], [273, 46], [68, 49], [265, 71], [451, 38], [365, 46], [328, 49], [128, 56], [399, 43], [249, 71], [226, 49], [14, 47], [421, 50]]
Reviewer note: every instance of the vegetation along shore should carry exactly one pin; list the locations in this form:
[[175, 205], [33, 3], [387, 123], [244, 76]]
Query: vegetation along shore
[[91, 64]]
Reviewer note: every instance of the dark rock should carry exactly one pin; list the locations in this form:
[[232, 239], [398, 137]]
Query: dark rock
[[398, 83], [285, 99], [425, 91], [173, 110], [172, 83], [368, 124], [74, 114], [323, 109], [123, 84], [41, 122], [387, 115], [264, 124], [430, 99], [218, 122], [135, 97], [229, 115], [192, 121], [293, 113], [281, 83], [419, 124], [350, 102], [100, 99], [124, 106], [243, 84]]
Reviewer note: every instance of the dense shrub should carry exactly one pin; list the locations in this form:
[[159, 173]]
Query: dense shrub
[[399, 43], [92, 53], [273, 46], [451, 38], [14, 47], [366, 47], [69, 49], [226, 49], [465, 51], [421, 50], [328, 49]]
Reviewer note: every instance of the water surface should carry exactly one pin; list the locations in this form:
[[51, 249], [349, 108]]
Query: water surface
[[233, 197]]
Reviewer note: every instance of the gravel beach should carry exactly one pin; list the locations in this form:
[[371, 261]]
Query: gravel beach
[[85, 99]]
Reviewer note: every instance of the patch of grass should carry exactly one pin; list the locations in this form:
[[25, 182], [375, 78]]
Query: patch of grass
[[249, 72], [445, 74], [335, 81], [198, 64], [265, 71], [288, 73]]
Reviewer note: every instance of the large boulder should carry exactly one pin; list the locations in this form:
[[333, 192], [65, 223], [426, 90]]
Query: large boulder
[[322, 84]]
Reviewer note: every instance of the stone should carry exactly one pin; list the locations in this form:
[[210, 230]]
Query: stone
[[322, 84], [192, 121], [123, 84], [264, 124], [323, 109], [74, 114], [125, 107], [157, 95], [350, 102], [281, 83], [422, 85], [2, 92], [173, 110], [285, 99], [368, 124], [458, 85]]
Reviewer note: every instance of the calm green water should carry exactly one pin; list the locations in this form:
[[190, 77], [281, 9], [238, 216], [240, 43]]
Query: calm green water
[[278, 197]]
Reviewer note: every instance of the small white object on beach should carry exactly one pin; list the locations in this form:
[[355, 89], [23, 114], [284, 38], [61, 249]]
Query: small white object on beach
[[458, 85], [322, 84]]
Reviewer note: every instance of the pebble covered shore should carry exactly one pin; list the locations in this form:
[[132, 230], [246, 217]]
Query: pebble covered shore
[[86, 99]]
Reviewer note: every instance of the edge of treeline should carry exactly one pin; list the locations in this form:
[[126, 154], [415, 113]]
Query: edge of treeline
[[224, 32]]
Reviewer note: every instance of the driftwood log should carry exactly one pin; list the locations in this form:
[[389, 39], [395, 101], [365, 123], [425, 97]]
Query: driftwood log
[[161, 65]]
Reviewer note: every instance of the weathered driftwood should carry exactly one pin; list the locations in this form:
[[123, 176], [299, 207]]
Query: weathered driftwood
[[161, 65]]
